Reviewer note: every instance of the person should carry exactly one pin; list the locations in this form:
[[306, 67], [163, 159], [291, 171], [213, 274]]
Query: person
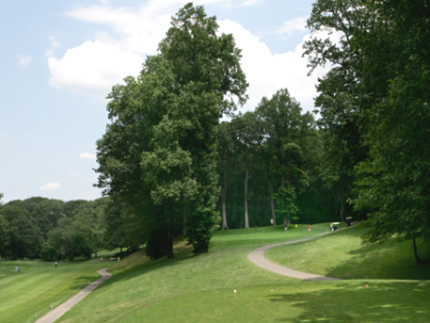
[[101, 259], [118, 259], [309, 228], [55, 265], [286, 227], [271, 221]]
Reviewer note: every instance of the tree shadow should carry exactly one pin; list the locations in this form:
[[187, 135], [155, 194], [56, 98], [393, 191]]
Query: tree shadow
[[130, 273], [352, 302], [389, 260]]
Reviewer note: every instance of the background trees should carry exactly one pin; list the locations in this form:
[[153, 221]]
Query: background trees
[[374, 107]]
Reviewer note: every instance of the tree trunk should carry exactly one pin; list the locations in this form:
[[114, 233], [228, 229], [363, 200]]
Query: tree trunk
[[184, 224], [224, 225], [272, 203], [169, 237], [246, 199], [342, 205], [170, 254], [287, 218], [417, 259]]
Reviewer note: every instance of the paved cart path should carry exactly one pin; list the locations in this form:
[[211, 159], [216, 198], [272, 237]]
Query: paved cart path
[[258, 258], [57, 312]]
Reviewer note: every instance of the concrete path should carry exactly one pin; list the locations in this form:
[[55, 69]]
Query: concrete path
[[257, 257], [57, 312]]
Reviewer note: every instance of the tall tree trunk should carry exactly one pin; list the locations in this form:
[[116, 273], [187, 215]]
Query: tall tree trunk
[[417, 259], [184, 223], [169, 236], [342, 205], [224, 225], [272, 203], [246, 199]]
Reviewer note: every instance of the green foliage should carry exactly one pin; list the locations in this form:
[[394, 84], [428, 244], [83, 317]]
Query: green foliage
[[24, 238], [374, 106], [158, 154], [48, 252]]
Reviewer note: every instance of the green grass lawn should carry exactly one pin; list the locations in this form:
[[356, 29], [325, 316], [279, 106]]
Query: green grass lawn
[[40, 285], [341, 254], [200, 289]]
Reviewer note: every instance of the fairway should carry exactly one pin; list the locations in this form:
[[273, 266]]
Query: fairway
[[27, 295], [200, 289]]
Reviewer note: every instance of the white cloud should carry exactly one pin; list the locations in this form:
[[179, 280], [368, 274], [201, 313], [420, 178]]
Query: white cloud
[[104, 1], [24, 60], [249, 3], [49, 52], [267, 73], [54, 42], [87, 156], [93, 68], [49, 187], [290, 26]]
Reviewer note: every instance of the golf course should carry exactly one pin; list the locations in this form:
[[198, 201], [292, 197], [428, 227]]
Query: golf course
[[378, 283]]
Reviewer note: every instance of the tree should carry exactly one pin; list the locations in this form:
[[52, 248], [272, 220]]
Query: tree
[[226, 154], [246, 132], [158, 154], [24, 236], [47, 213], [394, 180], [282, 118]]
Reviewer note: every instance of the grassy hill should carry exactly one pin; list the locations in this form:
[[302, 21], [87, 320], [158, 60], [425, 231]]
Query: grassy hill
[[200, 289], [341, 254]]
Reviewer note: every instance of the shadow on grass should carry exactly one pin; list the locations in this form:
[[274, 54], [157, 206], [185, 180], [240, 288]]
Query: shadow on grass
[[381, 302], [389, 260], [130, 273]]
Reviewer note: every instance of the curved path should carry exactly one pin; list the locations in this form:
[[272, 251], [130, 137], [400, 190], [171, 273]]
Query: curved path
[[257, 257], [57, 312]]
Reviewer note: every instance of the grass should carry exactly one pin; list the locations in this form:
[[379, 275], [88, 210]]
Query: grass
[[200, 289], [26, 295], [341, 254]]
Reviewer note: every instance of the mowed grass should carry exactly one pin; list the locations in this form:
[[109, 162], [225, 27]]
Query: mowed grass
[[341, 254], [200, 289], [26, 295]]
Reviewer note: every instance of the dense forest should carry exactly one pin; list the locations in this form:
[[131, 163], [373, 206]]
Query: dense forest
[[171, 170]]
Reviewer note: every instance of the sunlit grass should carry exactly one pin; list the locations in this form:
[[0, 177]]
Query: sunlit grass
[[200, 289], [39, 285]]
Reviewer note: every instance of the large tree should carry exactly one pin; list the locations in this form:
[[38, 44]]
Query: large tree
[[158, 153], [394, 181]]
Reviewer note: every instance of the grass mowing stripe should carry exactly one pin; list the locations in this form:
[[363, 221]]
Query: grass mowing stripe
[[38, 285]]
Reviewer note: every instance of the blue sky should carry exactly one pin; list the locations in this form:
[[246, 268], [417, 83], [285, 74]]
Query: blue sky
[[59, 60]]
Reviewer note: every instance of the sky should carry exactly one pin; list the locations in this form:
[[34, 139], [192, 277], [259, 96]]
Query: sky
[[60, 59]]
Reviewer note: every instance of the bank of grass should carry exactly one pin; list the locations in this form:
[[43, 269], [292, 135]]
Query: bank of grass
[[341, 254], [26, 295], [200, 289]]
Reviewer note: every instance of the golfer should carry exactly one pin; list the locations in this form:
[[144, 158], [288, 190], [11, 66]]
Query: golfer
[[55, 265], [286, 227], [309, 228]]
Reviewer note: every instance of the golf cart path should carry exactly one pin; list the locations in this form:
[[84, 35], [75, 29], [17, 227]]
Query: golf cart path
[[59, 311], [257, 257]]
